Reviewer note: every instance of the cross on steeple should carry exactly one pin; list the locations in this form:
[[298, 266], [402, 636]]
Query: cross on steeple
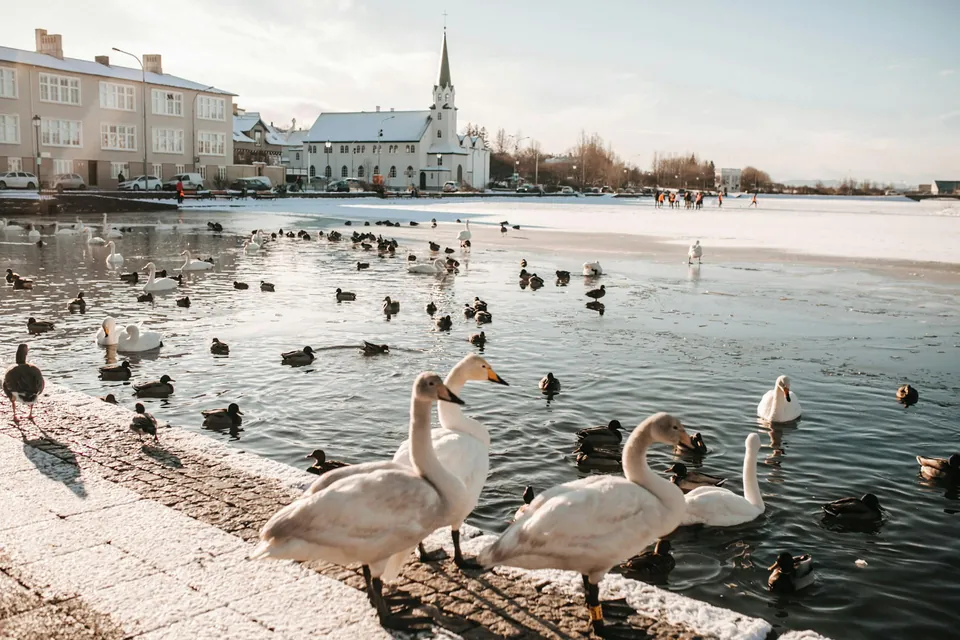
[[444, 21]]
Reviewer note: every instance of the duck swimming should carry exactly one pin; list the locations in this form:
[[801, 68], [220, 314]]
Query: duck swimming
[[11, 276], [483, 317], [370, 349], [589, 458], [549, 384], [219, 348], [479, 305], [940, 468], [907, 396], [790, 573], [468, 311], [20, 283], [651, 567], [267, 286], [345, 296], [298, 358], [321, 465], [184, 302], [690, 480], [865, 509], [444, 323], [391, 306], [145, 297], [35, 326], [695, 446], [223, 418], [132, 278], [116, 372], [563, 277], [478, 339], [240, 285], [78, 304], [431, 308], [155, 388], [603, 434], [363, 265]]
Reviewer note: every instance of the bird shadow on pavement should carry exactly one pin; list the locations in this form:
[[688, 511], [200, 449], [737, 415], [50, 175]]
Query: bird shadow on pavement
[[166, 458], [55, 460]]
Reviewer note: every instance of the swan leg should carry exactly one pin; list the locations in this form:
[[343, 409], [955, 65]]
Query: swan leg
[[428, 556], [388, 619], [600, 627], [458, 559]]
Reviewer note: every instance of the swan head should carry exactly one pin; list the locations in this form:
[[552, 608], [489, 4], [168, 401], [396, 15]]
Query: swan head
[[318, 455], [666, 429], [473, 367], [150, 267], [133, 332], [783, 382], [108, 325], [186, 252], [528, 495], [753, 443], [429, 387]]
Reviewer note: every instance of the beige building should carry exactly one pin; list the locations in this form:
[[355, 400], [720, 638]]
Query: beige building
[[87, 117]]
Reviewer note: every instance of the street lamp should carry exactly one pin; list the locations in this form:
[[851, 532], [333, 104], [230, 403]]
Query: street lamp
[[439, 160], [36, 128], [575, 175], [516, 169], [143, 76], [379, 137], [327, 148]]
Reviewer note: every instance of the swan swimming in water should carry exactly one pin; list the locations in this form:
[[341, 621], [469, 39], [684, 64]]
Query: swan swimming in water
[[438, 267], [192, 264], [719, 507], [465, 235], [592, 269], [154, 284], [64, 231], [91, 239], [6, 227], [778, 404], [107, 334], [114, 259], [109, 232], [133, 339], [33, 234]]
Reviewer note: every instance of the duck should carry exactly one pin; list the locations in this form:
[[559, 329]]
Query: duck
[[218, 348], [267, 286], [143, 423], [690, 480], [434, 247], [35, 326], [240, 285], [78, 304], [114, 259], [11, 276], [391, 306], [589, 458], [155, 388], [116, 372], [373, 513], [93, 240], [109, 399], [528, 495], [20, 283], [719, 507], [192, 264], [465, 235], [298, 358], [33, 235], [479, 305], [483, 317], [363, 265], [184, 302], [777, 405], [223, 418], [23, 382], [444, 323], [431, 308], [589, 525], [696, 446], [370, 349], [462, 445], [524, 276], [109, 232], [602, 434], [215, 226], [145, 297], [940, 468], [592, 269], [907, 395], [651, 567], [321, 465], [433, 223], [478, 339], [549, 384], [523, 263], [596, 294], [865, 509], [536, 282], [468, 311], [133, 339], [503, 229], [155, 284], [438, 266], [790, 573], [345, 296]]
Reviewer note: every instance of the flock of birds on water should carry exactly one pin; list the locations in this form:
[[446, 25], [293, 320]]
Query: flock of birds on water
[[377, 513]]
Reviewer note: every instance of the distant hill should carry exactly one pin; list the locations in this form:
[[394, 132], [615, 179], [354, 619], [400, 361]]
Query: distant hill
[[811, 183]]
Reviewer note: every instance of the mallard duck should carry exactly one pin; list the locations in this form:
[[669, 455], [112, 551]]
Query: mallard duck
[[240, 285], [145, 297], [109, 399], [184, 302], [524, 276], [523, 263], [690, 480], [155, 388], [651, 567], [528, 496], [790, 573], [536, 282], [78, 304], [503, 229], [549, 384], [116, 372], [223, 418], [563, 277], [39, 326], [363, 265], [345, 296], [696, 447], [590, 458], [863, 509], [479, 305], [22, 283], [23, 381], [483, 317], [468, 311], [266, 286], [478, 339], [298, 358], [370, 349], [907, 395], [366, 246], [940, 468], [348, 223], [431, 308], [596, 294], [321, 465], [515, 227], [603, 434], [132, 278], [219, 348], [433, 223], [143, 423], [434, 247], [444, 323], [391, 306], [11, 276]]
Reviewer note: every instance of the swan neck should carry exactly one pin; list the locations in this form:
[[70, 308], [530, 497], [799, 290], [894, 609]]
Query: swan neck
[[751, 486], [636, 470], [451, 415], [424, 458]]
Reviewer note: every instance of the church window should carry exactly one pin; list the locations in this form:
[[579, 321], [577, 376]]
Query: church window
[[298, 155], [440, 115], [363, 149], [439, 161], [313, 171], [344, 148], [376, 170], [328, 172], [407, 148], [410, 171], [446, 98], [344, 172], [413, 148], [393, 172], [439, 133], [360, 171]]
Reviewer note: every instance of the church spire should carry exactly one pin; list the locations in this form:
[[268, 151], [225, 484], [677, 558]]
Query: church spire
[[444, 79]]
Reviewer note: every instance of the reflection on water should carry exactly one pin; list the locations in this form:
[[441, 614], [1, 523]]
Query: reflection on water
[[702, 342]]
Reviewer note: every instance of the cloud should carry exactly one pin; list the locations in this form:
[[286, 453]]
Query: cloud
[[950, 115], [896, 67], [948, 72]]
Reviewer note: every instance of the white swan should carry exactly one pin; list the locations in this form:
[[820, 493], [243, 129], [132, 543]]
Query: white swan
[[65, 231], [109, 232], [33, 234], [462, 444], [695, 252], [373, 513], [719, 507], [6, 227], [134, 339], [155, 284], [163, 227], [436, 268], [79, 227], [250, 246], [778, 404], [192, 264], [107, 334], [592, 524], [114, 259], [91, 239], [592, 269], [465, 234]]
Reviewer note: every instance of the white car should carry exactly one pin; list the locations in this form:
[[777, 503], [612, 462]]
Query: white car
[[450, 187], [18, 180], [191, 182], [567, 191], [151, 183]]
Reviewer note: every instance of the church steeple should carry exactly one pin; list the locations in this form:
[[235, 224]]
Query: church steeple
[[444, 78]]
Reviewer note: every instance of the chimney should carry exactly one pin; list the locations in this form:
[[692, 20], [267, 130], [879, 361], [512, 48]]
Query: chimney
[[378, 108], [236, 109], [152, 63], [51, 45], [104, 60]]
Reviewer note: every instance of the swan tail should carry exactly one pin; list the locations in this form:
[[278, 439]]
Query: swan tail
[[501, 550]]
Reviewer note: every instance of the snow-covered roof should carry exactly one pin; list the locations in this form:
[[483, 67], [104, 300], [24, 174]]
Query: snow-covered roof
[[73, 65], [446, 146], [295, 138], [470, 141], [241, 137], [362, 126]]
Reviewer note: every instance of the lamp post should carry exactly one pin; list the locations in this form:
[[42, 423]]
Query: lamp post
[[36, 129], [439, 160], [624, 185], [327, 148], [379, 137], [516, 169], [143, 76], [575, 175]]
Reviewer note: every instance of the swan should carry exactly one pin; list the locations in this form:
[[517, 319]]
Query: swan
[[695, 252], [465, 235], [777, 405], [91, 239], [592, 269], [163, 227], [250, 246], [133, 339], [155, 284], [192, 264], [33, 235], [436, 268], [373, 513], [590, 525], [719, 507], [79, 226], [107, 334], [114, 259], [6, 227], [462, 445], [109, 232], [65, 231]]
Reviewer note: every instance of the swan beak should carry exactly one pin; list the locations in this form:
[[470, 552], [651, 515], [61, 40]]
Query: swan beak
[[686, 440], [493, 377], [106, 332], [786, 392], [448, 396]]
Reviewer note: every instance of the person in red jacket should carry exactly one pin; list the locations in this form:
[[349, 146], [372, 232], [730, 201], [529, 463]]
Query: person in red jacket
[[179, 191]]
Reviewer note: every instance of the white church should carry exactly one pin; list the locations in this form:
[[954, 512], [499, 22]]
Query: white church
[[418, 148]]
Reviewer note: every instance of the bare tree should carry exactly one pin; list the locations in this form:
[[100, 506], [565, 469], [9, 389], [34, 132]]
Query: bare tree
[[500, 141]]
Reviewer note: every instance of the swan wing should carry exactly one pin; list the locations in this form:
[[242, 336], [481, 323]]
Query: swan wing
[[718, 507], [767, 405]]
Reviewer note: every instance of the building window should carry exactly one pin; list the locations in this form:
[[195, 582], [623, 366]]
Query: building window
[[439, 161], [343, 172], [209, 108], [409, 171], [313, 171], [158, 170], [439, 133], [179, 168], [61, 133], [344, 149], [14, 164], [118, 137], [117, 96], [360, 171], [9, 129], [328, 172], [393, 172], [116, 168], [376, 170], [446, 97], [167, 140], [8, 83], [413, 148], [211, 144], [222, 172], [62, 89], [61, 166], [167, 103], [298, 155], [363, 148], [440, 115], [258, 137], [202, 170]]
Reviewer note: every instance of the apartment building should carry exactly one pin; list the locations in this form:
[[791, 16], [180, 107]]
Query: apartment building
[[98, 119]]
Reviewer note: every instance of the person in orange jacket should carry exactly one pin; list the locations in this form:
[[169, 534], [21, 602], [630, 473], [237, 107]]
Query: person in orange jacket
[[179, 191]]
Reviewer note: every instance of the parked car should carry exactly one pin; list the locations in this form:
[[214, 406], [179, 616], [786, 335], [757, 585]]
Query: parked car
[[150, 183], [345, 186], [252, 183], [65, 181], [530, 188], [191, 182], [450, 187], [567, 191], [18, 180]]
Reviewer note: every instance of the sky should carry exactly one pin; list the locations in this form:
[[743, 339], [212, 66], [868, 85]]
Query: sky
[[804, 90]]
